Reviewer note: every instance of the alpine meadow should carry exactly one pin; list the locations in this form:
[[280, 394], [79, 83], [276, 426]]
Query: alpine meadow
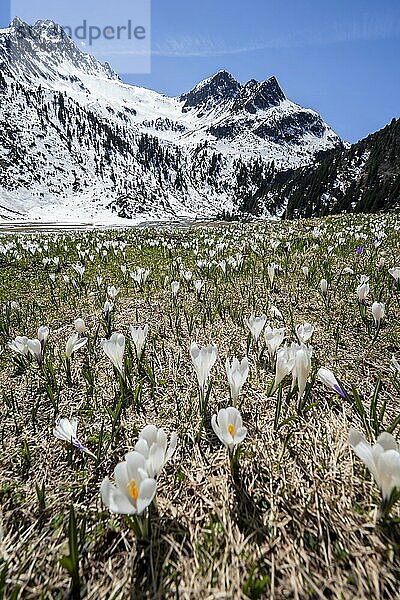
[[185, 411], [199, 300]]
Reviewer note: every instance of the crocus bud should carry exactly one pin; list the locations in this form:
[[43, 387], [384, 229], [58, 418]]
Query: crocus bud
[[43, 334], [36, 349], [362, 292], [139, 336], [324, 286], [80, 325], [395, 364], [327, 378], [198, 286], [114, 348], [378, 311], [237, 373], [302, 368], [203, 360], [283, 365], [271, 272], [66, 432], [174, 288]]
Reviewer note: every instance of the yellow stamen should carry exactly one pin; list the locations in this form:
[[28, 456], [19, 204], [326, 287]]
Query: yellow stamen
[[133, 490], [231, 430]]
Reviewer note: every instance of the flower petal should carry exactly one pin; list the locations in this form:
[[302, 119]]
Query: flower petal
[[114, 499]]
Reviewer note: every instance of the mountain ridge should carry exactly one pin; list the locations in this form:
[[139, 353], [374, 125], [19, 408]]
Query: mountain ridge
[[100, 144]]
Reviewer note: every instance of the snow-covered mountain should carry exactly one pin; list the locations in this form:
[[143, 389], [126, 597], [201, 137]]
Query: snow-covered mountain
[[77, 143]]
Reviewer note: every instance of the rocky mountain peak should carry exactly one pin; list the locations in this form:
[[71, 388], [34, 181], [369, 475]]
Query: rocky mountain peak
[[257, 95], [35, 51], [216, 89]]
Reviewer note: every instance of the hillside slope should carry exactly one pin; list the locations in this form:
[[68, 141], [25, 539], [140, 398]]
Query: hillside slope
[[362, 178]]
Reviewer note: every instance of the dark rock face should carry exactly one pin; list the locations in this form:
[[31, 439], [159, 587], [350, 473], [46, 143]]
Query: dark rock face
[[219, 88], [229, 129], [291, 128], [259, 96]]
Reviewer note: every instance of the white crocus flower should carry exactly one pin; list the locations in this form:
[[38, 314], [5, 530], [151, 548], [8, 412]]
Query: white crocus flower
[[395, 273], [256, 324], [306, 271], [348, 271], [362, 292], [324, 286], [378, 312], [36, 349], [227, 425], [80, 326], [74, 342], [19, 345], [271, 272], [237, 373], [198, 286], [66, 431], [283, 365], [133, 491], [203, 360], [273, 339], [304, 332], [382, 459], [114, 348], [302, 367], [80, 269], [139, 336], [175, 288], [153, 445], [112, 292], [328, 378], [43, 334], [107, 308]]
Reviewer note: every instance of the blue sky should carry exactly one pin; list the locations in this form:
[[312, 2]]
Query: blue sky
[[339, 57]]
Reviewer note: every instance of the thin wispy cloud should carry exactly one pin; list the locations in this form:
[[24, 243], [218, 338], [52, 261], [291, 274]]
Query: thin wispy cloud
[[368, 28]]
